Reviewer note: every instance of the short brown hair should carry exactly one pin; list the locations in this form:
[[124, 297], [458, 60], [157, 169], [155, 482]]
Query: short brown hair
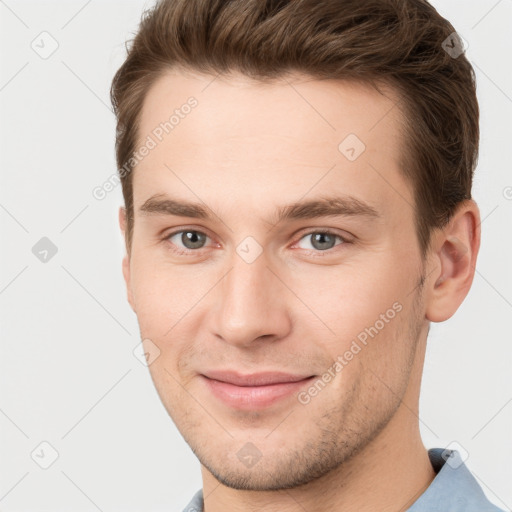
[[393, 42]]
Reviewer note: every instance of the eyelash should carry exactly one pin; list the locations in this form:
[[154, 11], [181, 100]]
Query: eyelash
[[316, 253]]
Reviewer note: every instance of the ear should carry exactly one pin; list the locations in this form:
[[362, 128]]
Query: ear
[[454, 253], [126, 259]]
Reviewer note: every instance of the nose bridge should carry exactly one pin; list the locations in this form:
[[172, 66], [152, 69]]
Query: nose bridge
[[251, 303]]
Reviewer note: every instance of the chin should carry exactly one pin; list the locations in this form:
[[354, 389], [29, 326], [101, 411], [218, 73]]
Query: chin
[[275, 469]]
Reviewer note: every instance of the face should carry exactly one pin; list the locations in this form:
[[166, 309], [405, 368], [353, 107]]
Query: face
[[274, 271]]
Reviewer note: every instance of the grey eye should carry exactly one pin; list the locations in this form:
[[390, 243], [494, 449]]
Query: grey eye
[[321, 241], [190, 239]]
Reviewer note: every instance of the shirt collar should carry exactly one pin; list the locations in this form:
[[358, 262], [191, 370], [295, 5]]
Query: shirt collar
[[454, 488]]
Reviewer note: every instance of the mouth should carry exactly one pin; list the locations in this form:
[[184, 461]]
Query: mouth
[[254, 391]]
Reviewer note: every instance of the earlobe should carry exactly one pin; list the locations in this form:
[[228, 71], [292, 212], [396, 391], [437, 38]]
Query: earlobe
[[126, 259], [456, 249]]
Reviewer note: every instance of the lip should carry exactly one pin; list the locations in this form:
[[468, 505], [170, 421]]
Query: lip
[[253, 391]]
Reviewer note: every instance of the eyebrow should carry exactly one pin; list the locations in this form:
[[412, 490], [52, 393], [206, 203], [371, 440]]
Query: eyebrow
[[327, 206]]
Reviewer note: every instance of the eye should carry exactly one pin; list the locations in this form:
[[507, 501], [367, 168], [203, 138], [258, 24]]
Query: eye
[[189, 238], [322, 240]]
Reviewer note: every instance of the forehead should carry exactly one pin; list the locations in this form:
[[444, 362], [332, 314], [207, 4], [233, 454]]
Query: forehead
[[270, 140], [294, 104]]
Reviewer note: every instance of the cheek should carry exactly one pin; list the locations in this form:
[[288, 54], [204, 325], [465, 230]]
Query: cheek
[[373, 366], [163, 294], [168, 304], [367, 313], [170, 390], [352, 300]]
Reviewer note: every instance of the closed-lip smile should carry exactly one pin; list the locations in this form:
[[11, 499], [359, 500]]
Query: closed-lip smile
[[255, 390]]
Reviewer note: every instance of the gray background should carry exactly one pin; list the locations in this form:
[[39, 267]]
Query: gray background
[[68, 373]]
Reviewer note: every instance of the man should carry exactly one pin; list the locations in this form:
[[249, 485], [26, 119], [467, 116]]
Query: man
[[297, 184]]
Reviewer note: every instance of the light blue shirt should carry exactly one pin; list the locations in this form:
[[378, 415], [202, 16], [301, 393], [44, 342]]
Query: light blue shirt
[[454, 489]]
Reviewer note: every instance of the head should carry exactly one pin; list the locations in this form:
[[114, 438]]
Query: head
[[260, 120]]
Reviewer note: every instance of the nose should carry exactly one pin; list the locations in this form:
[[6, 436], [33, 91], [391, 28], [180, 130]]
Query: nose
[[251, 304]]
